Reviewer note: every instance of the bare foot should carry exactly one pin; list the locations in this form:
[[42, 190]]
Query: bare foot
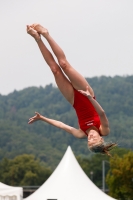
[[33, 33], [40, 29]]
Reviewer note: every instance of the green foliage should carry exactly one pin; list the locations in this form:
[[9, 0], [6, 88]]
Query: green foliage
[[120, 176], [93, 167], [49, 143], [23, 170]]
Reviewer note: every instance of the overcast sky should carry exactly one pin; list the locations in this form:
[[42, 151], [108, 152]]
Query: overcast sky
[[96, 36]]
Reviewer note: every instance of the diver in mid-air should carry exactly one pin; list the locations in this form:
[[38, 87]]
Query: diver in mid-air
[[93, 122]]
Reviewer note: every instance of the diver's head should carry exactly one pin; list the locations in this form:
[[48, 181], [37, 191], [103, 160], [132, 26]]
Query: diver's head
[[97, 145], [94, 137]]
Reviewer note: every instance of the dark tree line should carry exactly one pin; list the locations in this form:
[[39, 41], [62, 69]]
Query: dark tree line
[[48, 143]]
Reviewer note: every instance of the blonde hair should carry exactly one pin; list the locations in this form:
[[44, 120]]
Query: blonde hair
[[103, 147]]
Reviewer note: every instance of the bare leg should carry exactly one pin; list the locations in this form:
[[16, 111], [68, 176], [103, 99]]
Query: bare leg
[[62, 82], [77, 80]]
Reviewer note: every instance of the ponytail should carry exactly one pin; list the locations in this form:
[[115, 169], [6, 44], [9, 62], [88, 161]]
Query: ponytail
[[103, 148]]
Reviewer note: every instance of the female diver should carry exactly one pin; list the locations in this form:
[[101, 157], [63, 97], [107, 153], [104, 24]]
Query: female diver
[[93, 122]]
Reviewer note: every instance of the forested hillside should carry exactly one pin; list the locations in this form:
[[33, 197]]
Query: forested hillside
[[49, 143]]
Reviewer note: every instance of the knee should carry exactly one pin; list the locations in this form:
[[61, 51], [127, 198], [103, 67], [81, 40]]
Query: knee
[[63, 63], [55, 70]]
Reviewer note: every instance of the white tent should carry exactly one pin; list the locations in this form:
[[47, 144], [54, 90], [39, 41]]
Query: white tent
[[10, 193], [68, 182]]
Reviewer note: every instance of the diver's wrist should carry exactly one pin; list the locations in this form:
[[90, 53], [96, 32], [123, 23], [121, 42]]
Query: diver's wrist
[[89, 96]]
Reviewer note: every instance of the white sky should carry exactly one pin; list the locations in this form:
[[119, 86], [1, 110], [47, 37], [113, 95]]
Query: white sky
[[96, 36]]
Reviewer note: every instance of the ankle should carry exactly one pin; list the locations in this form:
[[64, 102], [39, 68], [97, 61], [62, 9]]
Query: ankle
[[45, 33], [37, 39]]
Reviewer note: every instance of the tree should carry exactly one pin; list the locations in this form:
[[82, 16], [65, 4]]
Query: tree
[[120, 177], [49, 143], [93, 167], [23, 170]]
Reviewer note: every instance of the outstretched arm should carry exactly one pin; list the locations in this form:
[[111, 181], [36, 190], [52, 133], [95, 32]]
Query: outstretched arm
[[104, 129], [75, 132]]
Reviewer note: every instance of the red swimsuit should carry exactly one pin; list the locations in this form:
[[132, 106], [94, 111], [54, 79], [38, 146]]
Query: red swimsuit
[[86, 113]]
